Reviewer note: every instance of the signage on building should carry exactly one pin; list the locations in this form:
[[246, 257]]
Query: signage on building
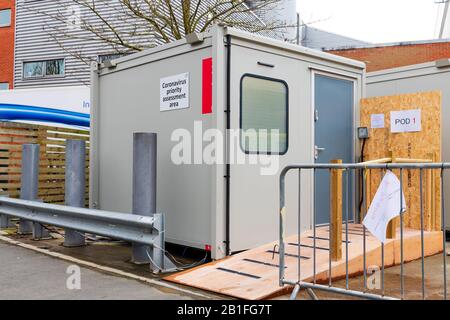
[[60, 107], [174, 92], [377, 121], [406, 121]]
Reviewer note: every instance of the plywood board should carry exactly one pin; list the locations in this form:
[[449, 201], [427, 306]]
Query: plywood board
[[425, 144], [253, 275]]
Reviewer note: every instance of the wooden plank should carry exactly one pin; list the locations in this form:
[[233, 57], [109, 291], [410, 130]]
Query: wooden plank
[[42, 177], [18, 132], [42, 163], [391, 232], [67, 130], [336, 212], [61, 143], [377, 161], [41, 194], [19, 125], [43, 170], [60, 149], [68, 136], [16, 139], [11, 147], [54, 198]]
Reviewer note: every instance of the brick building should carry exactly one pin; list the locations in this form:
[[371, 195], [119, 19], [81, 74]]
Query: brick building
[[394, 55], [7, 22]]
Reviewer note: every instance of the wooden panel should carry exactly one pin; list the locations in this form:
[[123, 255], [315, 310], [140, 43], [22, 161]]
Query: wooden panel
[[424, 145], [52, 142]]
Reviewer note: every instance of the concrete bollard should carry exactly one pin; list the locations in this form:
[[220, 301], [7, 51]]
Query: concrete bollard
[[75, 185], [144, 187]]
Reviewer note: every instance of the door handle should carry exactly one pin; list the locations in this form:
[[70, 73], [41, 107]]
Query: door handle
[[317, 150]]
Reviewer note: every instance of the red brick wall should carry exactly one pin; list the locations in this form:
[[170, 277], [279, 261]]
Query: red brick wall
[[7, 45], [381, 58]]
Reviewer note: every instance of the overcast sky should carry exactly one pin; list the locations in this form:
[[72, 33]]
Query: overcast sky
[[375, 20]]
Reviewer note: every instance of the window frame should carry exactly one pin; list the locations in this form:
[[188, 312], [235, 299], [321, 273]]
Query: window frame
[[33, 77], [44, 69], [10, 18], [286, 85]]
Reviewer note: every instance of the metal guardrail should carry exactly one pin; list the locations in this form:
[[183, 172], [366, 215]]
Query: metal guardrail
[[145, 230], [122, 226], [349, 170]]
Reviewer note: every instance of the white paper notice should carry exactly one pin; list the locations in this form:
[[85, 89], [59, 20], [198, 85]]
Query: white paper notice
[[406, 121], [377, 121], [385, 206], [174, 92]]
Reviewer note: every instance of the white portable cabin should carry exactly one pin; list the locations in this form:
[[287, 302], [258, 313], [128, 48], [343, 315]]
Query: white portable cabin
[[419, 78], [223, 79]]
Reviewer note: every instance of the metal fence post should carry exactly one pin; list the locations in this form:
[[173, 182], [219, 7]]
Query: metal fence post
[[29, 182], [144, 188], [75, 186]]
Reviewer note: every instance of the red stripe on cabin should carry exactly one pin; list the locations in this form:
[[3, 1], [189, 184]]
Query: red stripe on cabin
[[207, 85]]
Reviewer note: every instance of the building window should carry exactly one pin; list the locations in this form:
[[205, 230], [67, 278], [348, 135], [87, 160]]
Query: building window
[[48, 68], [54, 67], [264, 115], [33, 69], [4, 86], [5, 18], [108, 57]]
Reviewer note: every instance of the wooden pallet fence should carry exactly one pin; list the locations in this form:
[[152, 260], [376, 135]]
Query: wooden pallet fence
[[52, 141]]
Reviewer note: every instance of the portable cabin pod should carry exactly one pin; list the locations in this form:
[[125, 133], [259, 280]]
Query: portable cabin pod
[[419, 78], [223, 79]]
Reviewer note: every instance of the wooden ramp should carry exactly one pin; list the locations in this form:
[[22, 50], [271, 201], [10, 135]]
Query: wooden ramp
[[253, 274]]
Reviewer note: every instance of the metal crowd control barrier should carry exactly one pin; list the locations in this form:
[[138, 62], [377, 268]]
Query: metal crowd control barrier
[[349, 171], [122, 226]]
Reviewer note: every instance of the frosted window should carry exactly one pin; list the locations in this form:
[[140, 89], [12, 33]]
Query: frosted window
[[264, 115]]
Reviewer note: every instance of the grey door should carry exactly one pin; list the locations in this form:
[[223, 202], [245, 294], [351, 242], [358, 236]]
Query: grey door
[[333, 103]]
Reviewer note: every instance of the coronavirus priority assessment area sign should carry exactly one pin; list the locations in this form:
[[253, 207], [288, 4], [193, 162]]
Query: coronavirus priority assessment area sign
[[174, 92]]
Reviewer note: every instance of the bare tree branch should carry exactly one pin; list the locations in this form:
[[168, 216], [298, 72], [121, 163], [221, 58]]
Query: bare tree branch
[[135, 25]]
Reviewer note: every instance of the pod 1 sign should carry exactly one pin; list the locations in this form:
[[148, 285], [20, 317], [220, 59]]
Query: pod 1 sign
[[406, 121]]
